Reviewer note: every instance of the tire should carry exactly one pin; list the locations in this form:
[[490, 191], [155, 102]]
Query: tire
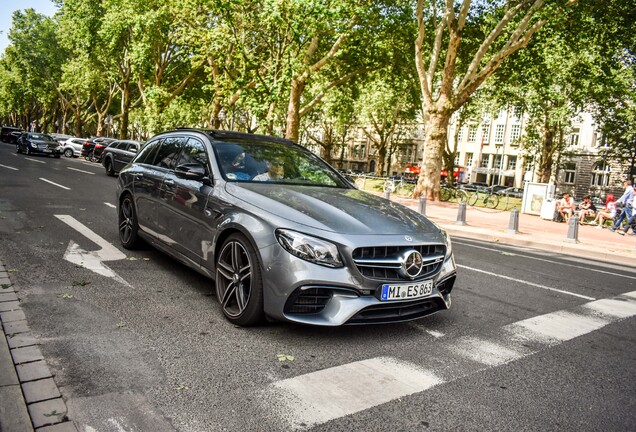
[[128, 223], [91, 157], [473, 199], [110, 171], [445, 194], [17, 149], [492, 201], [239, 282], [68, 153]]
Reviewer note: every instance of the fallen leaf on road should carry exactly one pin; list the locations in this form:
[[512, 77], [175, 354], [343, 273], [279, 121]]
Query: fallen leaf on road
[[285, 357]]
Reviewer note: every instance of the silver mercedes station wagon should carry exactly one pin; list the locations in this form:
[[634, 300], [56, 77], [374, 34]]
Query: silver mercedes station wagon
[[281, 233]]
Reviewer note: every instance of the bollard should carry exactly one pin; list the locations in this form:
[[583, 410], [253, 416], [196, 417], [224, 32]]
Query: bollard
[[461, 214], [573, 230], [513, 225], [422, 206], [387, 194]]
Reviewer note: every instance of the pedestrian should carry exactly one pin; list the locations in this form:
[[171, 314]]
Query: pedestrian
[[627, 200], [565, 207], [609, 212], [586, 208]]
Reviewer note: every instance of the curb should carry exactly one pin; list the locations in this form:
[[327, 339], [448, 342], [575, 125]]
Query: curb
[[29, 397]]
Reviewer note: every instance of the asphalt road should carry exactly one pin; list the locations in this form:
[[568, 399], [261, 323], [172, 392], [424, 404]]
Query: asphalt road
[[149, 349]]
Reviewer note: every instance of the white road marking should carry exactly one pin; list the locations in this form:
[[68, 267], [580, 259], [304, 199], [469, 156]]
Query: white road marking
[[561, 326], [92, 260], [110, 205], [54, 184], [545, 260], [526, 282], [486, 352], [434, 333], [8, 167], [34, 160], [335, 392], [82, 171], [307, 400]]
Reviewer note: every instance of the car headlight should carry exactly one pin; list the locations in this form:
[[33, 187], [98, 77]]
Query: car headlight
[[309, 248], [449, 245]]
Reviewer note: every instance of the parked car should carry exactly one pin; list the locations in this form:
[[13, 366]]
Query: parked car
[[282, 233], [72, 147], [118, 154], [38, 143], [511, 192], [10, 134], [497, 188], [474, 186], [61, 138], [89, 146]]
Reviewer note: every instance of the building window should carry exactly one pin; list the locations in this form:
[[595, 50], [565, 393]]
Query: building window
[[469, 159], [472, 133], [460, 134], [499, 134], [574, 137], [485, 133], [570, 173], [600, 174], [485, 159], [497, 162], [512, 162], [456, 161], [515, 133]]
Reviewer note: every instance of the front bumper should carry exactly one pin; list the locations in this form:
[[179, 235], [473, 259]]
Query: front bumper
[[334, 297]]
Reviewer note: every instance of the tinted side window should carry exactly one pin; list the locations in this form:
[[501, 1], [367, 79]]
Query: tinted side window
[[168, 152], [147, 155], [193, 152]]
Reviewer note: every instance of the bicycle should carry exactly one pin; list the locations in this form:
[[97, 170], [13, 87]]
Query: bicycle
[[448, 192], [485, 197]]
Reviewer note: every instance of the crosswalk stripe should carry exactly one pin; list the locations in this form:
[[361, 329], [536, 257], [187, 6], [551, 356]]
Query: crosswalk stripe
[[317, 397]]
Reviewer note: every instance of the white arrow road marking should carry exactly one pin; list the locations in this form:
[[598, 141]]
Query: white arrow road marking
[[8, 167], [54, 184], [92, 260], [318, 397]]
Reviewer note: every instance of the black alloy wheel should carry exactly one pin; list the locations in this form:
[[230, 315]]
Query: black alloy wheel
[[239, 283], [128, 224]]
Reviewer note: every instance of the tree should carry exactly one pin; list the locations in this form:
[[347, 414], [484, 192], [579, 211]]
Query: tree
[[465, 45]]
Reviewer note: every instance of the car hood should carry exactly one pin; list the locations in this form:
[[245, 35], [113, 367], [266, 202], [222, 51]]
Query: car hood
[[337, 210], [44, 142]]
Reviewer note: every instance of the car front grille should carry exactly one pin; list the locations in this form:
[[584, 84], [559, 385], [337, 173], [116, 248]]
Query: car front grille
[[384, 263]]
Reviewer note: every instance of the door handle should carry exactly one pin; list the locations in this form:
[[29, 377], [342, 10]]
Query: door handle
[[169, 182]]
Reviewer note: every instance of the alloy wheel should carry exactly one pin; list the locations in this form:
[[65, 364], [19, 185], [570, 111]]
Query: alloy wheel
[[234, 278]]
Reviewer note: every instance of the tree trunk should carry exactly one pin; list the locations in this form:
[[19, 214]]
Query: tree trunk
[[545, 163], [125, 111], [293, 110], [434, 144]]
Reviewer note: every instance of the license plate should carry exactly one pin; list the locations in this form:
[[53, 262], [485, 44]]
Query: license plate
[[46, 151], [406, 291]]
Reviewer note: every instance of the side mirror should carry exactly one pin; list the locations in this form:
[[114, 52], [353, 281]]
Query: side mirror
[[191, 171]]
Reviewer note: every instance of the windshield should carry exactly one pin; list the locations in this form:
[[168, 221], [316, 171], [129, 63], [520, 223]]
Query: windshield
[[41, 137], [273, 162]]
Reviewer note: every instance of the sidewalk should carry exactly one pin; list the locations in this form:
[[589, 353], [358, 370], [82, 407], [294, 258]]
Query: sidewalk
[[45, 409], [534, 232]]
